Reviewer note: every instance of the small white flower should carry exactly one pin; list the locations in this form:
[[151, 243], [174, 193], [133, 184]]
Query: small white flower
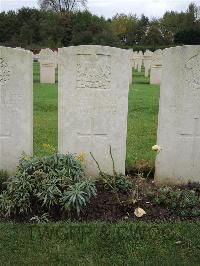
[[156, 148]]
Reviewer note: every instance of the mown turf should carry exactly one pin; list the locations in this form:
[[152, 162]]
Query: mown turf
[[142, 118], [100, 244], [45, 113]]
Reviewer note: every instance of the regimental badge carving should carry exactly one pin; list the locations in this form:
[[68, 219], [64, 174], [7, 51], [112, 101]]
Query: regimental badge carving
[[193, 71], [93, 72], [4, 71]]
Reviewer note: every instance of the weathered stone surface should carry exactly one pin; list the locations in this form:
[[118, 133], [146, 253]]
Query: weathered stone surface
[[140, 61], [131, 65], [156, 74], [156, 67], [16, 123], [147, 58], [179, 117], [48, 63], [93, 104], [135, 60]]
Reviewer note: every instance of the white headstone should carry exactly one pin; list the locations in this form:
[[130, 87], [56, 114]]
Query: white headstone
[[16, 123], [135, 59], [179, 117], [93, 104], [156, 67], [47, 59], [140, 61], [147, 62]]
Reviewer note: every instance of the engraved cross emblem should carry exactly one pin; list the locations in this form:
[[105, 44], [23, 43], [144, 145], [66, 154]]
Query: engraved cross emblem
[[92, 135]]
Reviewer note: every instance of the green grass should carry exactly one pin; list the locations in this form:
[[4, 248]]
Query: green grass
[[45, 113], [99, 244], [142, 118]]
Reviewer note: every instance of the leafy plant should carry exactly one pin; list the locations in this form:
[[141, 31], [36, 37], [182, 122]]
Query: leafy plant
[[42, 185], [3, 178], [185, 203], [44, 218], [78, 195]]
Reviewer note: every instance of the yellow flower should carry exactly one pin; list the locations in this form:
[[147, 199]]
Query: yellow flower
[[26, 157], [49, 148], [156, 148], [81, 157]]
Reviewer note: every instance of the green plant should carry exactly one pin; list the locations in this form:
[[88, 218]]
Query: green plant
[[78, 195], [44, 218], [3, 178], [185, 203], [117, 183], [41, 183]]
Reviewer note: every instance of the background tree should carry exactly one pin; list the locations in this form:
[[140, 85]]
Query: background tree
[[39, 28], [62, 5]]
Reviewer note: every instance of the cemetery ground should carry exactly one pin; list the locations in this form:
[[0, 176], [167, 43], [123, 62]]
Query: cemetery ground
[[161, 237]]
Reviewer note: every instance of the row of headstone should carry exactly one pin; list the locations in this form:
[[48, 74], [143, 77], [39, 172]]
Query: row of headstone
[[137, 60], [152, 63], [93, 107], [93, 104]]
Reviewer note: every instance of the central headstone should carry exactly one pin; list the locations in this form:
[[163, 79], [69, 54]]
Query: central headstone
[[16, 123], [93, 105], [179, 117]]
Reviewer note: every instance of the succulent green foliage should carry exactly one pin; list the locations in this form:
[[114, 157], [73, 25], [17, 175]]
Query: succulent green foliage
[[42, 184]]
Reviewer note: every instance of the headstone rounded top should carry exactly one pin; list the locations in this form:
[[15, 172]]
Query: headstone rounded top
[[47, 56]]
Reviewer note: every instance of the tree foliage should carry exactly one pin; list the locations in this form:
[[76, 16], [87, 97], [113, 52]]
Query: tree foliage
[[57, 27], [62, 5]]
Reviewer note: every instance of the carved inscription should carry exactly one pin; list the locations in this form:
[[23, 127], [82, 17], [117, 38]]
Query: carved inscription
[[4, 71], [4, 77], [193, 71], [93, 72]]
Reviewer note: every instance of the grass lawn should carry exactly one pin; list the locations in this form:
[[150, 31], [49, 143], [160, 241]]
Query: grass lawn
[[101, 243], [142, 118]]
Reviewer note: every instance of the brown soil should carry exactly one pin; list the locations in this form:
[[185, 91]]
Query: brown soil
[[105, 207]]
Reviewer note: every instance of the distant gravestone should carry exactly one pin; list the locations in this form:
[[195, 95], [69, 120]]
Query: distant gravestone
[[147, 62], [47, 59], [131, 65], [16, 123], [93, 104], [140, 61], [179, 117], [156, 67], [135, 60]]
